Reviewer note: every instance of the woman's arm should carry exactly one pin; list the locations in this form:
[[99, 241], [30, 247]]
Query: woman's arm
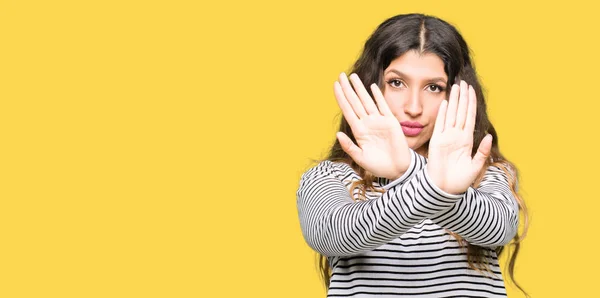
[[334, 225], [487, 215]]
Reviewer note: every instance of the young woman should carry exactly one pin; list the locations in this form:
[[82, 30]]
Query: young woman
[[415, 198]]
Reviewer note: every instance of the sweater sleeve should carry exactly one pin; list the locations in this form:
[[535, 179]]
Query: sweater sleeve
[[335, 225], [486, 216]]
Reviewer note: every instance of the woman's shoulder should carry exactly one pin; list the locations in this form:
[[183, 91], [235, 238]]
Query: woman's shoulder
[[501, 169], [333, 169]]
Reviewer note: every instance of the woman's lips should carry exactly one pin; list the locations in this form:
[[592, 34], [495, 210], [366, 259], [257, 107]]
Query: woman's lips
[[411, 129]]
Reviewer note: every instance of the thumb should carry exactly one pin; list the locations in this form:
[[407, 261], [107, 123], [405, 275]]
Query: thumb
[[349, 147], [483, 152]]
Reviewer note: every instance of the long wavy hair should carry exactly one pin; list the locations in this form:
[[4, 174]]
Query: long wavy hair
[[427, 34]]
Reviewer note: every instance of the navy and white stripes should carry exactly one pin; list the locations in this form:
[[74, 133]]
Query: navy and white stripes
[[396, 243]]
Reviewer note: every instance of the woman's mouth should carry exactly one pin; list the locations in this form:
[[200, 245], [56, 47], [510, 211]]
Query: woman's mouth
[[411, 129]]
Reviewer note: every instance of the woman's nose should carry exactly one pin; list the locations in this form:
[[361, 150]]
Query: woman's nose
[[413, 106]]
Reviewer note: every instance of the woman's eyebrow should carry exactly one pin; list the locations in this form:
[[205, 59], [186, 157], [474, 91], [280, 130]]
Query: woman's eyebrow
[[431, 80], [396, 72], [438, 80]]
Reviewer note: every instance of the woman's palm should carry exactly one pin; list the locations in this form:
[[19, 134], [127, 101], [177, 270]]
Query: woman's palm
[[451, 164], [381, 146], [379, 137]]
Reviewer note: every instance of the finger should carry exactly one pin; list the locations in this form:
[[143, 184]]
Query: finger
[[349, 147], [463, 104], [452, 105], [344, 104], [441, 118], [384, 109], [364, 96], [357, 106], [462, 97], [472, 111], [483, 153]]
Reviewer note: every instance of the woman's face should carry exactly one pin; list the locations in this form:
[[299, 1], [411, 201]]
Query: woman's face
[[415, 86]]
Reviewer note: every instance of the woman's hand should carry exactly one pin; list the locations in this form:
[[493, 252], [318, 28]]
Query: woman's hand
[[450, 164], [382, 148]]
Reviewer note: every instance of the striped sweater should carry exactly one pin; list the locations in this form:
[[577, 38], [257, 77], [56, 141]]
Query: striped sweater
[[396, 243]]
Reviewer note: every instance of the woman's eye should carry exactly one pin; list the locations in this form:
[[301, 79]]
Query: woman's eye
[[435, 88], [395, 83]]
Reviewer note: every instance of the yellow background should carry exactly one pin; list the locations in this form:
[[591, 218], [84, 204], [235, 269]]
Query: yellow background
[[153, 148]]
